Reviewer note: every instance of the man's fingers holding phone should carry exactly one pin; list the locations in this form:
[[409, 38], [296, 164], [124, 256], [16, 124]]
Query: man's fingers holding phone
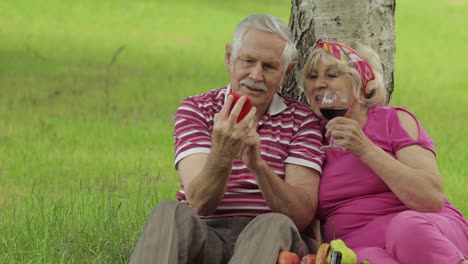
[[240, 107]]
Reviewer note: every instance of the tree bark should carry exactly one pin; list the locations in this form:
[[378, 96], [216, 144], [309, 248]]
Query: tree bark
[[368, 21]]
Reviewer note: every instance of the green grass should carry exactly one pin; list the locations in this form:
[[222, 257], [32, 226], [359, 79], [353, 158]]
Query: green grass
[[430, 79], [88, 91]]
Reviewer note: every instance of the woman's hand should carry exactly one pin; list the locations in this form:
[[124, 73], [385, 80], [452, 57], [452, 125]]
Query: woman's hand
[[348, 134]]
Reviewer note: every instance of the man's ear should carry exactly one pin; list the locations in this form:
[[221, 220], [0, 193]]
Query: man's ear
[[227, 56], [289, 71]]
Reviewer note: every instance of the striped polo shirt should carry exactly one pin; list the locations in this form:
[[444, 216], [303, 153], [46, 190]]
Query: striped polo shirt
[[289, 133]]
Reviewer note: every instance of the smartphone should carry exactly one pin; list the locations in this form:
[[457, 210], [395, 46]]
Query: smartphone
[[245, 108]]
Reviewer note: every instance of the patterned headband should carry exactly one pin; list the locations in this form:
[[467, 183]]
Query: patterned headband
[[347, 54]]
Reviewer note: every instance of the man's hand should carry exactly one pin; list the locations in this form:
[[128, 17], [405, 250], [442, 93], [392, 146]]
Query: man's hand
[[228, 135], [250, 153]]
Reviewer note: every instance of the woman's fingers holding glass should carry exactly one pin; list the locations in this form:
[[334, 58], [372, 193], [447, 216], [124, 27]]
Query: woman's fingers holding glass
[[348, 135], [341, 128], [338, 121]]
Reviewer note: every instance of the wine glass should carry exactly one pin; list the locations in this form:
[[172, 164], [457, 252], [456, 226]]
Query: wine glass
[[332, 104]]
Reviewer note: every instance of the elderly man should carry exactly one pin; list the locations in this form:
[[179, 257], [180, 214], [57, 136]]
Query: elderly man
[[248, 187]]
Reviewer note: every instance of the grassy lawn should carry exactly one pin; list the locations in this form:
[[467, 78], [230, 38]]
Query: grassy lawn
[[88, 91]]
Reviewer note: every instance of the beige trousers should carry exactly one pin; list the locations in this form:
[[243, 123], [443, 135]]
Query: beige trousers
[[174, 234]]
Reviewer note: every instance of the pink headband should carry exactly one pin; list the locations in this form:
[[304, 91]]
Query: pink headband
[[347, 54]]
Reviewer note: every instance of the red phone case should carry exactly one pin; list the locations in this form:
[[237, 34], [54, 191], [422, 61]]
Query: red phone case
[[245, 108]]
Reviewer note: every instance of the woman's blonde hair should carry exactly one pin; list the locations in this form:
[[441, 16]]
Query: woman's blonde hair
[[375, 89]]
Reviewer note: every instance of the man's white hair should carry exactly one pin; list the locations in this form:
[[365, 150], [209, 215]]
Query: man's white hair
[[267, 23]]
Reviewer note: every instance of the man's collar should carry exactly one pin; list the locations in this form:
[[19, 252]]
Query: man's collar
[[276, 106]]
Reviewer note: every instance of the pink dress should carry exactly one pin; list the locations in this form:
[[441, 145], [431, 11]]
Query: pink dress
[[358, 207]]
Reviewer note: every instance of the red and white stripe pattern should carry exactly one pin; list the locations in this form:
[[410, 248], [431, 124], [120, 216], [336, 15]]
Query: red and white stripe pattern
[[289, 132]]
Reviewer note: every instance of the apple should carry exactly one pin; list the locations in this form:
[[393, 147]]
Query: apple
[[287, 257]]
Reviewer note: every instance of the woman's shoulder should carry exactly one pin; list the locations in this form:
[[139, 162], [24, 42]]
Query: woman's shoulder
[[387, 109], [401, 126], [390, 113]]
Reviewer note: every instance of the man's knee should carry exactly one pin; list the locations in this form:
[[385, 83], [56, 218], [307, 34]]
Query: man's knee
[[270, 225], [167, 205], [279, 227], [274, 218], [170, 209]]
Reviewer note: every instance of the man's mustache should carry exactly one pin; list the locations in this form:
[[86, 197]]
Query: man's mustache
[[260, 86]]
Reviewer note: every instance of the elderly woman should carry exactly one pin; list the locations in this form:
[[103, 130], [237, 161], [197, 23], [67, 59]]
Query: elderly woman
[[381, 190]]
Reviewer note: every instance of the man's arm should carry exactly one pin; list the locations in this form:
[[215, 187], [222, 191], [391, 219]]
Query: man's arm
[[205, 176], [296, 197]]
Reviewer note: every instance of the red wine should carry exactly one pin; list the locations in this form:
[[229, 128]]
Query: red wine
[[330, 113]]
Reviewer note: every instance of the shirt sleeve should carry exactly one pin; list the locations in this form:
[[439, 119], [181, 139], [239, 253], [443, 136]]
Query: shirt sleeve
[[400, 138], [305, 145], [191, 132]]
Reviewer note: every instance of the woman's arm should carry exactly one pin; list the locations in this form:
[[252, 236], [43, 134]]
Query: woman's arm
[[413, 176]]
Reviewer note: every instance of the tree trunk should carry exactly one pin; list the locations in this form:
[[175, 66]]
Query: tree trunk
[[368, 21]]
